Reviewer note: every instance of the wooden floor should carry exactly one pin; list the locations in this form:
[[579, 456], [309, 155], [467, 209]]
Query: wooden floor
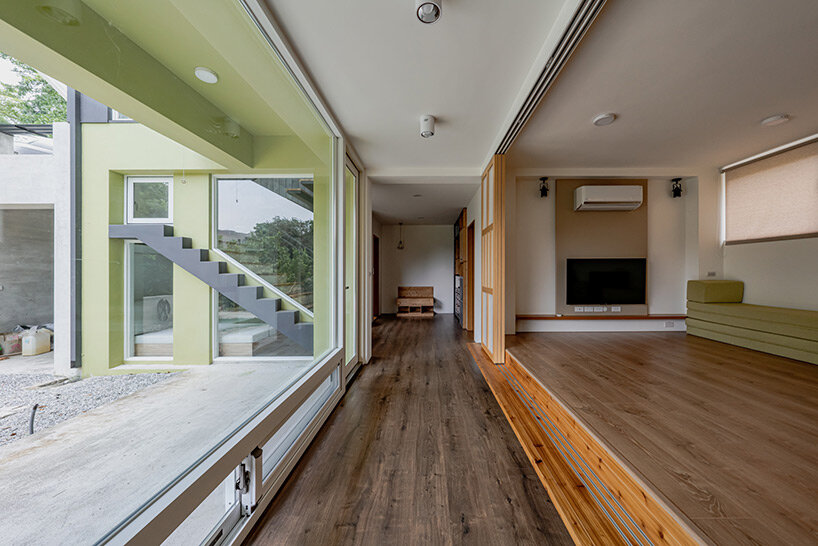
[[728, 436], [418, 452]]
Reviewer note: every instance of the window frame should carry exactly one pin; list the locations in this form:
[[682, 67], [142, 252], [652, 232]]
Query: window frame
[[130, 182]]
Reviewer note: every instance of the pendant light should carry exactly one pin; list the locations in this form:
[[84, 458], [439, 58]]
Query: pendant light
[[400, 237]]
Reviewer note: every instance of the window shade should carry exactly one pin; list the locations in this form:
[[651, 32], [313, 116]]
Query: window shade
[[773, 198]]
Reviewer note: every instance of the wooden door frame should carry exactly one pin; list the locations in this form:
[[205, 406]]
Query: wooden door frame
[[376, 272], [470, 277], [493, 262]]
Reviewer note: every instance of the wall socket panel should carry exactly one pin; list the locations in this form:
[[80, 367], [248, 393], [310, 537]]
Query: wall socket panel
[[595, 309]]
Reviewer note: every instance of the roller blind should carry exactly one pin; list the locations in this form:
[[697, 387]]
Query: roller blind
[[773, 198]]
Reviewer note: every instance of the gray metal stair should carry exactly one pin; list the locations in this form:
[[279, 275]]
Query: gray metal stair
[[196, 261]]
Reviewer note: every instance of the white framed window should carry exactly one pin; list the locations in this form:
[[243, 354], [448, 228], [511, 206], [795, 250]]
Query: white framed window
[[119, 116], [148, 303], [149, 199]]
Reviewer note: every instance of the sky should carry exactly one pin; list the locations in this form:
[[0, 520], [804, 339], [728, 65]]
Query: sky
[[7, 75]]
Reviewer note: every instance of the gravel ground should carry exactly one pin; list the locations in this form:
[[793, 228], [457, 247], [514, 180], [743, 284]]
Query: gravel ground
[[58, 403]]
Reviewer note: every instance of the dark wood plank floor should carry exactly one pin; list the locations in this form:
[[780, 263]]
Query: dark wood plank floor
[[728, 435], [418, 452]]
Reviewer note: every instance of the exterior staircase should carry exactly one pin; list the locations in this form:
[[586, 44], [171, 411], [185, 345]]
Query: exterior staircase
[[196, 261]]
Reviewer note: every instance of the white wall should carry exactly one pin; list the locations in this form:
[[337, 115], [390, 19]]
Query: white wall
[[43, 181], [426, 260], [534, 271], [776, 273]]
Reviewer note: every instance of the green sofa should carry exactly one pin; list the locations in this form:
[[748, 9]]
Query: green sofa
[[715, 311]]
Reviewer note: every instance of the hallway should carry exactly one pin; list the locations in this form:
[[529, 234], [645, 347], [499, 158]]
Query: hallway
[[418, 452]]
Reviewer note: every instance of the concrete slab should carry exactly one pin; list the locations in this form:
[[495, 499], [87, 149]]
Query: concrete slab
[[78, 480], [37, 364]]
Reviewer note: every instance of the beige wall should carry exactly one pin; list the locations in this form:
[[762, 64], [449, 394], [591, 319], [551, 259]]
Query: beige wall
[[608, 234]]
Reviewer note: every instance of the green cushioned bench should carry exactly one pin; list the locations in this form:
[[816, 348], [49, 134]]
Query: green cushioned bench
[[715, 311]]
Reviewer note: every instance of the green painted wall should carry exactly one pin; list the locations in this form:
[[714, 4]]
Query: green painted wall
[[110, 152]]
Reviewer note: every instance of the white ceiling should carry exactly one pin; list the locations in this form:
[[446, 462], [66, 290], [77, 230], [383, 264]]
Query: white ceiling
[[379, 69], [690, 81], [439, 202]]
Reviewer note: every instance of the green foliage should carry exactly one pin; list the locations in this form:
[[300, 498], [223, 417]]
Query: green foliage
[[150, 199], [32, 100], [287, 244]]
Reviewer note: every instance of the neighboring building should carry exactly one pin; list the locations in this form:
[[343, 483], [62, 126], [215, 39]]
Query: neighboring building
[[35, 233]]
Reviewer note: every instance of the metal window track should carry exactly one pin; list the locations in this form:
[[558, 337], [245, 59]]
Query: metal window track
[[582, 20]]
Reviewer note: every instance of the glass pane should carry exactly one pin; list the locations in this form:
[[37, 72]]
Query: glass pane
[[266, 225], [151, 301], [150, 199], [242, 334], [146, 297], [220, 509], [277, 447], [350, 266]]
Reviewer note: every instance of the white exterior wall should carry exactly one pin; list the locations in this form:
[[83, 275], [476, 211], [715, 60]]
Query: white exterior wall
[[43, 181]]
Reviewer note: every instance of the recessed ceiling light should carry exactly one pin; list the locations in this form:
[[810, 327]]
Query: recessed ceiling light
[[428, 11], [417, 195], [777, 119], [205, 74], [64, 12], [604, 119]]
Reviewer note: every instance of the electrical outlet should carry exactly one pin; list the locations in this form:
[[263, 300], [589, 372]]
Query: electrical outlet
[[669, 324], [598, 309], [578, 309], [589, 309], [711, 273], [616, 309]]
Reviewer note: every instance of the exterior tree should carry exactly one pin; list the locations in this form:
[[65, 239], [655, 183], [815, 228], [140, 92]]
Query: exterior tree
[[32, 100]]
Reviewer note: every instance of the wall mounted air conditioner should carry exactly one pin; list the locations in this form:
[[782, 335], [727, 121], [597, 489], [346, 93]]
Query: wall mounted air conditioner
[[599, 198]]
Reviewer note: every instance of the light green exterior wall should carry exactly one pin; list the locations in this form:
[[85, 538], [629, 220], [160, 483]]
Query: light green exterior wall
[[110, 152]]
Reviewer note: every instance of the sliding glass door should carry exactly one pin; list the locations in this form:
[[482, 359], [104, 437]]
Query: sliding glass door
[[351, 260]]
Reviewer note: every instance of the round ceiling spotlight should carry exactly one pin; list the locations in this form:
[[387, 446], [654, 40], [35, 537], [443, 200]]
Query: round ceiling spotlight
[[604, 119], [777, 119], [205, 74], [64, 12], [427, 125], [417, 195], [428, 11]]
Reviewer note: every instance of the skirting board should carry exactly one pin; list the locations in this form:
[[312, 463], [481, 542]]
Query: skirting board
[[597, 325]]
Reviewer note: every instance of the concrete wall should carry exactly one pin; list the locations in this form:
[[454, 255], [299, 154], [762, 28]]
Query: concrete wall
[[43, 182], [426, 260], [26, 267]]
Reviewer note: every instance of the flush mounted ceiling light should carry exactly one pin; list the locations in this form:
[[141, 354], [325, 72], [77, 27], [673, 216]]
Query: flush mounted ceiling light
[[427, 126], [604, 119], [777, 119], [65, 12], [205, 74], [428, 11], [417, 195]]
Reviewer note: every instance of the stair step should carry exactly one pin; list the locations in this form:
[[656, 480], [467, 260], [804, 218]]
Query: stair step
[[274, 302], [229, 280]]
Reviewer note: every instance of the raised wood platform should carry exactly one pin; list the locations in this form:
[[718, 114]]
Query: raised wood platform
[[680, 439]]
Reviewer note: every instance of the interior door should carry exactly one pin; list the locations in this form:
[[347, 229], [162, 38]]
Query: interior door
[[492, 239], [470, 278], [350, 267], [376, 280]]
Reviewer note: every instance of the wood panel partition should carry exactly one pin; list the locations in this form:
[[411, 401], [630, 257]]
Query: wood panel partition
[[603, 234], [493, 263]]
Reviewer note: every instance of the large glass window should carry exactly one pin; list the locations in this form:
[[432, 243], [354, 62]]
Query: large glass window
[[207, 237], [150, 302], [350, 266]]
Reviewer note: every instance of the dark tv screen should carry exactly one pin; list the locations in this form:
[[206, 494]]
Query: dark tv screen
[[606, 281]]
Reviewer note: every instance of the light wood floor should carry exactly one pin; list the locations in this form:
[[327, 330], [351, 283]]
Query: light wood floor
[[418, 452], [729, 436]]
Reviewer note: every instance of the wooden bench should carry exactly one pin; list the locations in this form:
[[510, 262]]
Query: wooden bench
[[416, 302]]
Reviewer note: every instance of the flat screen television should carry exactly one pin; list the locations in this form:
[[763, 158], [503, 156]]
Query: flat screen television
[[606, 281]]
